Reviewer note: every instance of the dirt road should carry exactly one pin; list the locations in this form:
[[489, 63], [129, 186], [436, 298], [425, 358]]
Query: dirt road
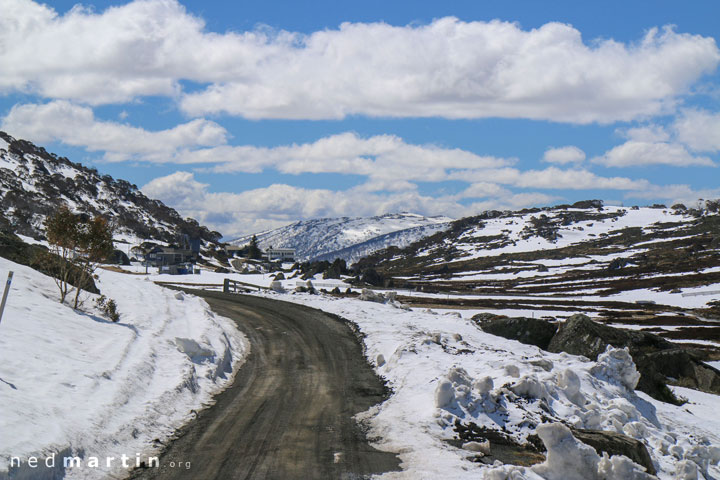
[[288, 414]]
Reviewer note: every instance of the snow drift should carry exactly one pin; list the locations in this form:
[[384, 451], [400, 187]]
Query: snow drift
[[74, 382]]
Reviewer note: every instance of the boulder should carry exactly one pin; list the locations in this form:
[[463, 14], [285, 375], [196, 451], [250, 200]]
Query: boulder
[[118, 257], [531, 331], [683, 366], [579, 335], [658, 360], [614, 443], [371, 296]]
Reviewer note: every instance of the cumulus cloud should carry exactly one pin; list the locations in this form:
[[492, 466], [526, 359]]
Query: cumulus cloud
[[699, 130], [448, 68], [77, 126], [646, 133], [672, 194], [564, 155], [383, 158], [549, 178], [258, 209], [641, 153]]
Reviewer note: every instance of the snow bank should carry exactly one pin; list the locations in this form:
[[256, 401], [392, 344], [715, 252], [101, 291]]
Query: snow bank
[[443, 369], [73, 381]]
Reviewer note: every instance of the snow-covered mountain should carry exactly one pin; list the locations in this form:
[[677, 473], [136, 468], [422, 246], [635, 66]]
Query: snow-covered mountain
[[349, 238], [34, 182]]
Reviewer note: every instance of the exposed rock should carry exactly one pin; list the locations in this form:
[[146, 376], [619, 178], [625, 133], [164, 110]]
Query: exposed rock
[[685, 367], [616, 444], [371, 296], [531, 331], [658, 360], [118, 257], [485, 316], [280, 276], [41, 259], [579, 335], [501, 446], [588, 204]]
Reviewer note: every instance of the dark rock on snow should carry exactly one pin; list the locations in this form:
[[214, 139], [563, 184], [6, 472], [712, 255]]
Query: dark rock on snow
[[614, 443], [531, 331], [659, 361]]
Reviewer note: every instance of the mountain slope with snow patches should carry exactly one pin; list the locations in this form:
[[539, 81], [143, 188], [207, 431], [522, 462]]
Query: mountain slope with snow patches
[[564, 250], [348, 238], [33, 183]]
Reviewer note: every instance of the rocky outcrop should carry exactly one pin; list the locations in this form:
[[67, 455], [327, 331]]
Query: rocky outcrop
[[37, 182], [531, 331], [580, 335], [614, 443], [659, 361]]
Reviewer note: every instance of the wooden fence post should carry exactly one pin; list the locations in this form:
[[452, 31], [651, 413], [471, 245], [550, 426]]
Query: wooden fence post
[[5, 294]]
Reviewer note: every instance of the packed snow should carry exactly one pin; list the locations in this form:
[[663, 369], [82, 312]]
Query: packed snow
[[443, 368], [74, 382]]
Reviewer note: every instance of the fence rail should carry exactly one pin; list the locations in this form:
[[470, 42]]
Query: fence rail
[[234, 286], [303, 283]]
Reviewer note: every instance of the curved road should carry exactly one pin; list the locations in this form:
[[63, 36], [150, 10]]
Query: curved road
[[288, 414]]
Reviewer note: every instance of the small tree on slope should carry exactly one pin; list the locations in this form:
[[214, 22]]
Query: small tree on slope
[[80, 245], [60, 230]]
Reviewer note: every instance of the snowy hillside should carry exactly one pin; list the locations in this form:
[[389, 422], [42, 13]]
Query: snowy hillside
[[76, 383], [649, 268], [34, 182], [348, 238], [563, 249]]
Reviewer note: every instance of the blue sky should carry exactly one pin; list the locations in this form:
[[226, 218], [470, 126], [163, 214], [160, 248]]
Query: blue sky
[[247, 116]]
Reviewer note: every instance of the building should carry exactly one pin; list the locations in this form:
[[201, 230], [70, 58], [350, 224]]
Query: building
[[186, 252], [160, 256], [280, 254]]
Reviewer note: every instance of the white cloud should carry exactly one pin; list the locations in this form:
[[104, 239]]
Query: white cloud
[[77, 126], [672, 194], [551, 178], [262, 208], [564, 155], [484, 190], [699, 130], [235, 214], [638, 153], [382, 158], [448, 68], [648, 133]]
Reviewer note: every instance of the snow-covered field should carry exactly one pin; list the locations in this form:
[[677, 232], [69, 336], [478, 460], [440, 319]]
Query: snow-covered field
[[441, 367], [75, 382]]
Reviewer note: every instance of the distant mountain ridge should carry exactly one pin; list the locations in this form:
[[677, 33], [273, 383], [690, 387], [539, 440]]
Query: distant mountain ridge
[[349, 238], [33, 183]]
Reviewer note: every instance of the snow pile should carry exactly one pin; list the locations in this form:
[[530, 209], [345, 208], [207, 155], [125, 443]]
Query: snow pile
[[443, 369], [569, 459], [75, 382], [616, 365]]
